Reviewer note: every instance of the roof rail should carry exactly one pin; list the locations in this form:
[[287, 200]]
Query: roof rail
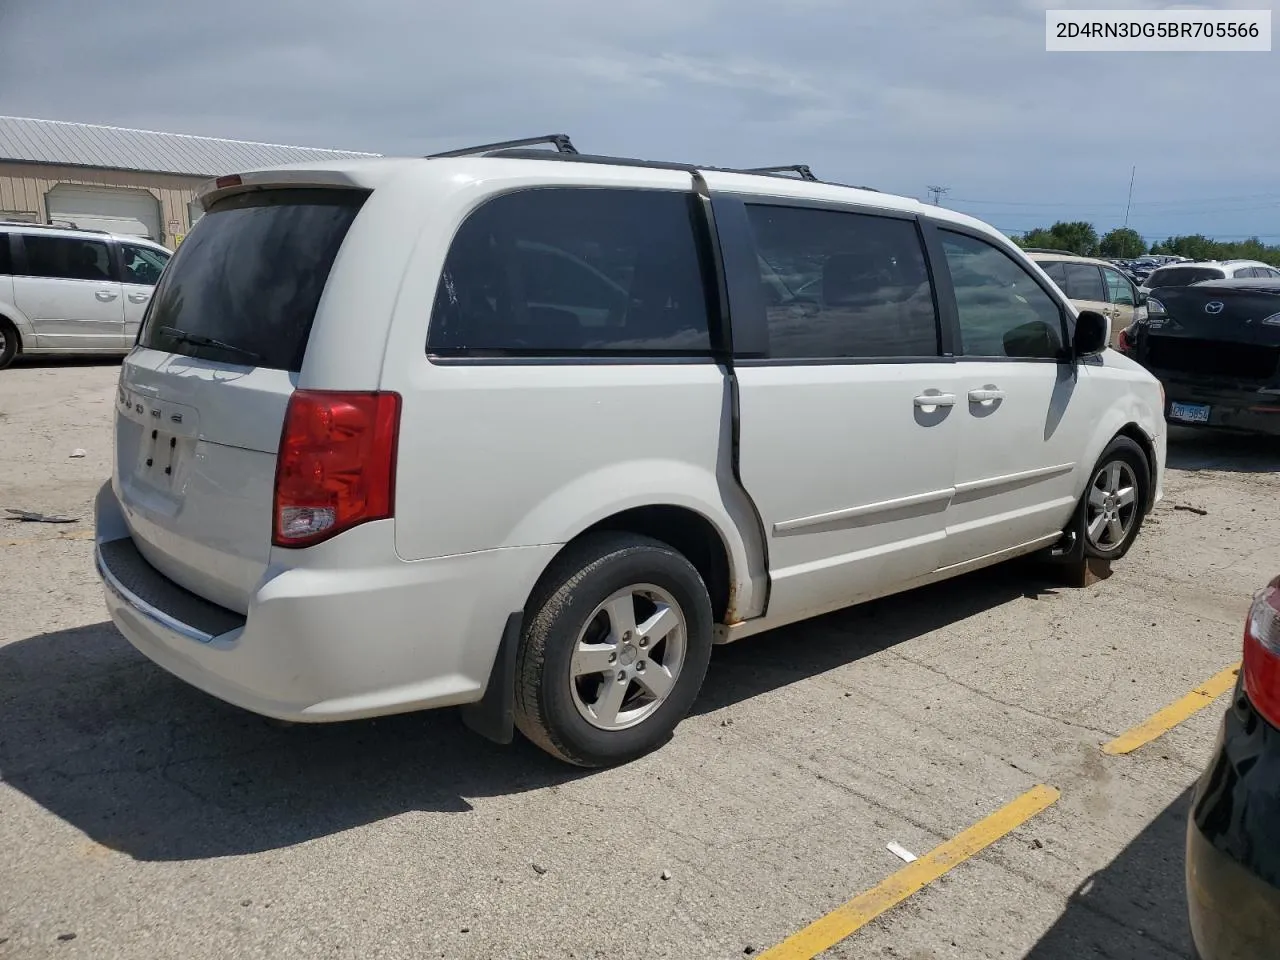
[[802, 169], [1069, 253], [560, 141], [565, 150], [65, 225]]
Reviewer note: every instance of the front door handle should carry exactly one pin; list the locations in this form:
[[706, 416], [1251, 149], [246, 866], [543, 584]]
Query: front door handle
[[139, 297], [986, 395], [106, 296], [936, 400]]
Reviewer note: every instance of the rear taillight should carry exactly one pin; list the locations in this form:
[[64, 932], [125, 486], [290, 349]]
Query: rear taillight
[[1125, 341], [337, 464], [1262, 653]]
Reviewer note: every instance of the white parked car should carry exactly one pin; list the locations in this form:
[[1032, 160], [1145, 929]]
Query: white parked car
[[530, 432], [67, 291], [1187, 272]]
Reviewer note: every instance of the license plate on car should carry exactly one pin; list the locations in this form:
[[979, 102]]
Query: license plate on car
[[1189, 412]]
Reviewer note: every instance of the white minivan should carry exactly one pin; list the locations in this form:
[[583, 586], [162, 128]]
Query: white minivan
[[69, 291], [529, 432]]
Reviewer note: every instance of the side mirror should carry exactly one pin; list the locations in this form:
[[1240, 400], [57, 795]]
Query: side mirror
[[1093, 331], [1142, 298]]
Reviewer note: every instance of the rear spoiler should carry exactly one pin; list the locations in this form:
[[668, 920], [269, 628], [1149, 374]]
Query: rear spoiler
[[214, 190]]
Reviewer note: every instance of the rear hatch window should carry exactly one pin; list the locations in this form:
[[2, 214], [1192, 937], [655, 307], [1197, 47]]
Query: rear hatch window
[[1183, 276], [244, 286]]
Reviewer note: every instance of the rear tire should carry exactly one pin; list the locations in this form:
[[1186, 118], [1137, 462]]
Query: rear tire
[[8, 342], [616, 643], [1115, 501]]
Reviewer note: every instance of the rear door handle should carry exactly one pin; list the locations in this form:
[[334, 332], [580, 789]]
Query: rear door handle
[[106, 296], [985, 395], [139, 297], [936, 400]]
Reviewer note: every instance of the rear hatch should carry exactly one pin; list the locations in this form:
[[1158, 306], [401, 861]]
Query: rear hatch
[[1225, 332], [202, 400]]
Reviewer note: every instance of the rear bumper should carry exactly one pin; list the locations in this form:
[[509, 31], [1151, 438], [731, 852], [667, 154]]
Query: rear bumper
[[360, 633], [1229, 409], [1233, 842]]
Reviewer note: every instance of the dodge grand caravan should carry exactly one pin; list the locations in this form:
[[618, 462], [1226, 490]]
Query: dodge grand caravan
[[529, 432]]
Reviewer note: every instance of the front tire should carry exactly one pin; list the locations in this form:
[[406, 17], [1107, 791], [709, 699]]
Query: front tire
[[616, 643], [1115, 501]]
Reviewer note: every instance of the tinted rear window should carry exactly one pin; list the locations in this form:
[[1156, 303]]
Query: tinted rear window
[[560, 271], [1182, 276], [250, 276]]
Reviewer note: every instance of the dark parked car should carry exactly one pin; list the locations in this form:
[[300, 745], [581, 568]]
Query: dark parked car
[[1233, 834], [1216, 348]]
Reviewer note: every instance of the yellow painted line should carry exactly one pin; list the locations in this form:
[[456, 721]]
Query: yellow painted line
[[1176, 712], [845, 920], [78, 535]]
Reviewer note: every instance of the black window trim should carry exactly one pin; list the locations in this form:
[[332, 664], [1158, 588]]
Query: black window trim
[[934, 228], [749, 316], [115, 257], [711, 268], [13, 245]]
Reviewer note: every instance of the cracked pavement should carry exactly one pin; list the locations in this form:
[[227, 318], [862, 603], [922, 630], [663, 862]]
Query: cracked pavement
[[152, 821]]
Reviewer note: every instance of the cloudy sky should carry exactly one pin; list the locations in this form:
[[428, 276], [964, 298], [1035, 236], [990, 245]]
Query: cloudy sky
[[896, 94]]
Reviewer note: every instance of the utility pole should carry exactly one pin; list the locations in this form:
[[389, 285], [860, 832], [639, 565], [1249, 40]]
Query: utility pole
[[938, 193], [1132, 173]]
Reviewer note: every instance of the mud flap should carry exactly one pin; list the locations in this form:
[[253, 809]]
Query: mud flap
[[1066, 560], [493, 715]]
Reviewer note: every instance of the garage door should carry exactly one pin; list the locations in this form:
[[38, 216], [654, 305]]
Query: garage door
[[135, 212]]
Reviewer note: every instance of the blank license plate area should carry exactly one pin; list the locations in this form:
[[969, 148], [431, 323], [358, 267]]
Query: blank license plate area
[[159, 455], [1189, 412]]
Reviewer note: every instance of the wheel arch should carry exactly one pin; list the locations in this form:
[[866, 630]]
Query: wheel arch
[[687, 532], [678, 503], [1140, 437]]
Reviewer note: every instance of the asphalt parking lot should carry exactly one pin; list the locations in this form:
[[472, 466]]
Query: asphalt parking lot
[[142, 819]]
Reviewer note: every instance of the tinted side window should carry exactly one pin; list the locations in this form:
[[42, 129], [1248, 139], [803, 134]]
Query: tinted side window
[[6, 261], [67, 258], [1084, 282], [843, 284], [142, 264], [1056, 270], [557, 271], [1003, 312], [1118, 288]]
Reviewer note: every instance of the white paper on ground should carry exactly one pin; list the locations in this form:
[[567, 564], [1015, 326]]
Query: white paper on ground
[[898, 850]]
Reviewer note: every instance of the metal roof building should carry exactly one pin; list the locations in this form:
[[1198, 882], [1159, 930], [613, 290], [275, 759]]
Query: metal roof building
[[126, 181]]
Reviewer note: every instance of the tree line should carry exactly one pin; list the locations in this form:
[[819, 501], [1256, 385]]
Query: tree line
[[1079, 236]]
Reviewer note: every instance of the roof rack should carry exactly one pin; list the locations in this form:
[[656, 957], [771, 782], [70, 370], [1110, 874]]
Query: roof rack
[[66, 225], [802, 169], [560, 141], [1069, 253], [565, 150]]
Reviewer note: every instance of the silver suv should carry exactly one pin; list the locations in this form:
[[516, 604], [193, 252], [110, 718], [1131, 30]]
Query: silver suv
[[70, 291]]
